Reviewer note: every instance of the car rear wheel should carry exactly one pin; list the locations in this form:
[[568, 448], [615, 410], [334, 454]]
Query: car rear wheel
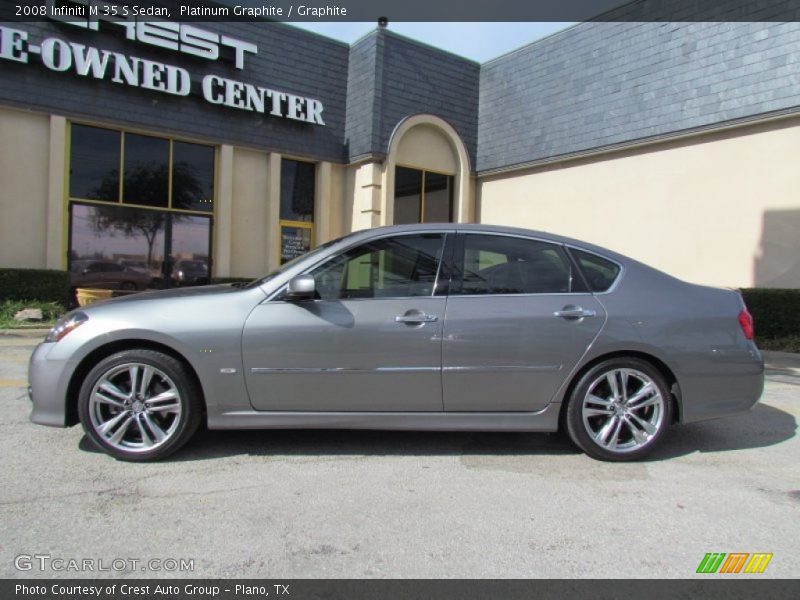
[[619, 410], [140, 405]]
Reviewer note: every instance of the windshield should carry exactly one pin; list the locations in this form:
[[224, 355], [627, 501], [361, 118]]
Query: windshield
[[288, 265]]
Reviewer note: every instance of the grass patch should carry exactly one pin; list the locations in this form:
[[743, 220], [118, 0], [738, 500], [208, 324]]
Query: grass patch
[[784, 344], [50, 312]]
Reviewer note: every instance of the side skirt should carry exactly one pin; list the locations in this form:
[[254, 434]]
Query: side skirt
[[546, 420]]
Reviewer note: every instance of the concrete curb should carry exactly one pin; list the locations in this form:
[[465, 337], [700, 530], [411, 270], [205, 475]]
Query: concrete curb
[[28, 332]]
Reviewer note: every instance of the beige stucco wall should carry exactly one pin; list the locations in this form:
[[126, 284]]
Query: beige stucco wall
[[24, 168], [425, 147], [251, 240], [721, 209]]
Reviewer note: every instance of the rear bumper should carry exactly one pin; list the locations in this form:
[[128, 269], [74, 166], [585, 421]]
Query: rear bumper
[[47, 379], [726, 389]]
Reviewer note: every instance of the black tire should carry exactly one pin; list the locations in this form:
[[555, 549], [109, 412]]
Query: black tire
[[128, 285], [640, 430], [171, 381]]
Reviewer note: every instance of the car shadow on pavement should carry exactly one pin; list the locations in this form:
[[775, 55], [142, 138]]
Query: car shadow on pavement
[[764, 426], [322, 442]]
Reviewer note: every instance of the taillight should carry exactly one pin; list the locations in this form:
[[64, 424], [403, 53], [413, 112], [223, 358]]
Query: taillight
[[746, 323]]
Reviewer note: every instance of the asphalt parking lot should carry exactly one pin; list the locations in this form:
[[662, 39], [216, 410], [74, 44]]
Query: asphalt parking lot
[[377, 504]]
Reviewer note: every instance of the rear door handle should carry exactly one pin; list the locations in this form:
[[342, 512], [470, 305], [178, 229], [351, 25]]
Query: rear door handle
[[416, 318], [574, 312]]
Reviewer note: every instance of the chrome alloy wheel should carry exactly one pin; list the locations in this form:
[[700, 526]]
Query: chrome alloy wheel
[[135, 407], [623, 410]]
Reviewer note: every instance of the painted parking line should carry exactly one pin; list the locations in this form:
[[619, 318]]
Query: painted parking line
[[12, 383]]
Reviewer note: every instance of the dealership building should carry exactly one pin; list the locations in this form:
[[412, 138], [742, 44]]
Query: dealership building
[[227, 148]]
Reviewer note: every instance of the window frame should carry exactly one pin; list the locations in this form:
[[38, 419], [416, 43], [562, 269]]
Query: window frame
[[310, 225], [69, 200], [120, 192], [458, 267], [423, 172]]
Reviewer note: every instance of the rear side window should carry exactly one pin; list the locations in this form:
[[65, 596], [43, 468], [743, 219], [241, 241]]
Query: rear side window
[[494, 264], [600, 273]]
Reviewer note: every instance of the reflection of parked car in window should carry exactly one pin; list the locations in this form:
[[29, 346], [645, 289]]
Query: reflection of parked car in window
[[190, 272], [136, 265], [107, 274]]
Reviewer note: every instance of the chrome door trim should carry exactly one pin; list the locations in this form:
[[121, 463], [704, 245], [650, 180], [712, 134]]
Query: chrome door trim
[[501, 368], [339, 370]]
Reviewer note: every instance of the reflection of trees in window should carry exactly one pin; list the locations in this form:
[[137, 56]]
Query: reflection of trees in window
[[130, 223], [187, 190]]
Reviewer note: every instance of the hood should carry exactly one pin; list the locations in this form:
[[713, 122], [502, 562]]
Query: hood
[[185, 292]]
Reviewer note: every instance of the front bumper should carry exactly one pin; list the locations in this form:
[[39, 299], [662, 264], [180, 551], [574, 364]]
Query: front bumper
[[47, 389]]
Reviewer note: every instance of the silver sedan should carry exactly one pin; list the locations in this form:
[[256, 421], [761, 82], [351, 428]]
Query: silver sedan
[[430, 327]]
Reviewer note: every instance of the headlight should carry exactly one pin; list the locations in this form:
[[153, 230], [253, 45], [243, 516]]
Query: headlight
[[66, 324]]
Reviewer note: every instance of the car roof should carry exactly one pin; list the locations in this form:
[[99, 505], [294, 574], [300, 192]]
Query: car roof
[[484, 228]]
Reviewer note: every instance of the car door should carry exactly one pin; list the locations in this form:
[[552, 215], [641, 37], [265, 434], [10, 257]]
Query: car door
[[517, 323], [370, 341]]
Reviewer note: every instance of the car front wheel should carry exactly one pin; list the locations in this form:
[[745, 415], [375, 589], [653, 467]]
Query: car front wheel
[[140, 405], [619, 410]]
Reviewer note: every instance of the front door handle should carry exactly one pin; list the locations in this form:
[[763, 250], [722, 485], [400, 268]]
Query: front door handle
[[415, 317], [574, 312]]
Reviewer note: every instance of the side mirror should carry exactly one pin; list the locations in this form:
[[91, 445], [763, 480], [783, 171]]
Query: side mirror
[[302, 287]]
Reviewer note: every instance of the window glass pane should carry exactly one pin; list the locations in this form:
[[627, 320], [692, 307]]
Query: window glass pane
[[116, 247], [192, 176], [396, 267], [295, 242], [94, 163], [506, 265], [190, 249], [407, 195], [146, 170], [600, 273], [438, 198], [297, 190]]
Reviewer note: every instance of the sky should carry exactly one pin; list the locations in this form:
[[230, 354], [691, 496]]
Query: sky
[[476, 41]]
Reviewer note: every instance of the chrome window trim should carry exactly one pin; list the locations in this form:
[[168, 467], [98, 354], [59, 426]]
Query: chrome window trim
[[525, 295]]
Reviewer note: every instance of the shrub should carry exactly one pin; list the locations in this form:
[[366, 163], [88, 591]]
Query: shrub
[[776, 312], [41, 285], [50, 312]]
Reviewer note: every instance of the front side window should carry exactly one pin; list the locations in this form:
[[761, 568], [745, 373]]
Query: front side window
[[396, 267], [494, 264]]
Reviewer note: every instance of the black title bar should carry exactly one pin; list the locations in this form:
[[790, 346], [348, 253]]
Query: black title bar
[[407, 10], [388, 589]]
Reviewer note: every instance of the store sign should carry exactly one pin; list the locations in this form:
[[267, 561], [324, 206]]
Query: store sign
[[64, 56]]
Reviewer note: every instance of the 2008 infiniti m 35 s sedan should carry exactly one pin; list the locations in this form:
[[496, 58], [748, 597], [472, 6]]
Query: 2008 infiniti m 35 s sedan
[[429, 327]]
